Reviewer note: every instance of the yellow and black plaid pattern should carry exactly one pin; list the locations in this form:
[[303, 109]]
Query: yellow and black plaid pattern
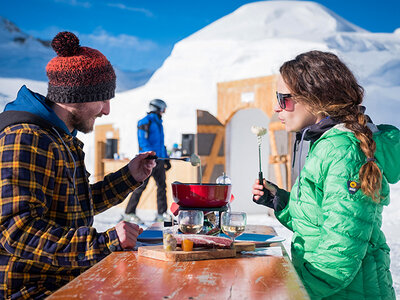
[[47, 208]]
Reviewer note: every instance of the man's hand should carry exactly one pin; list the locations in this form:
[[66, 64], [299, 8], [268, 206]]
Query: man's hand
[[140, 167], [167, 164], [127, 234]]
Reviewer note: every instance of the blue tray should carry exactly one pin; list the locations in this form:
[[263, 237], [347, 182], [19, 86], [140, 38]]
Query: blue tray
[[150, 235], [254, 237]]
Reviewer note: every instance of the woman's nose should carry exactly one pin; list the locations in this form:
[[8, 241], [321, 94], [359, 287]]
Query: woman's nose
[[277, 108]]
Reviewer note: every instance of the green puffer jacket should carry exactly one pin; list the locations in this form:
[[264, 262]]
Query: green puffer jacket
[[338, 248]]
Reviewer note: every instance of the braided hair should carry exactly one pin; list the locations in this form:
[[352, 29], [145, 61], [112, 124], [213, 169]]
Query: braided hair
[[327, 86]]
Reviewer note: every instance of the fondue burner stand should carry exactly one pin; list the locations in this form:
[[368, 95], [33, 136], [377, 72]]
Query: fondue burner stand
[[207, 209]]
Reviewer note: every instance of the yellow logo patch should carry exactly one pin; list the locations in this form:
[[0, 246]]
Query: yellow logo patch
[[353, 186]]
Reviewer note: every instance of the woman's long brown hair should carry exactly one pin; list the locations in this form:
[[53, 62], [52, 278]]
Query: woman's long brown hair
[[326, 85]]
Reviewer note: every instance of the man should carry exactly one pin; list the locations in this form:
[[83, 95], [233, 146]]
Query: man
[[47, 204], [151, 138]]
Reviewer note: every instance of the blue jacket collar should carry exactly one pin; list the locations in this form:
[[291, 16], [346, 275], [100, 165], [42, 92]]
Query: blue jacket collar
[[155, 116], [35, 103]]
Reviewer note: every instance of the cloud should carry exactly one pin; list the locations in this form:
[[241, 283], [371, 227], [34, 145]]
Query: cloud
[[147, 12], [126, 51], [99, 38], [84, 4], [47, 33], [104, 39]]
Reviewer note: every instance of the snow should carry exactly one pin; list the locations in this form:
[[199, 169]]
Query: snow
[[252, 41], [391, 223], [14, 84], [257, 21]]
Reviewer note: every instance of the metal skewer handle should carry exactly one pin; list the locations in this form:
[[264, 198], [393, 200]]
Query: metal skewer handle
[[167, 158]]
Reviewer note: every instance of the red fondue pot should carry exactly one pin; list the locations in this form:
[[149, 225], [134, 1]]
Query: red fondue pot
[[201, 195]]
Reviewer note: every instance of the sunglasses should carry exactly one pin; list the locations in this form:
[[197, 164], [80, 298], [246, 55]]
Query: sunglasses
[[285, 101]]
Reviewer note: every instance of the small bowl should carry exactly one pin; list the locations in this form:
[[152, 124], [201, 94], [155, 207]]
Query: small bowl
[[201, 195]]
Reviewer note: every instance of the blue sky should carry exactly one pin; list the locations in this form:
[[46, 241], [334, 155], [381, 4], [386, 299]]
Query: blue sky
[[140, 34]]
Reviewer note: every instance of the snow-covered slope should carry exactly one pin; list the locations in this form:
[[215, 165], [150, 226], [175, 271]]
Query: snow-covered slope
[[127, 80], [10, 86], [285, 20], [254, 41]]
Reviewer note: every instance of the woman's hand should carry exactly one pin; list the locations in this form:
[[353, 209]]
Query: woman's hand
[[268, 194], [257, 190]]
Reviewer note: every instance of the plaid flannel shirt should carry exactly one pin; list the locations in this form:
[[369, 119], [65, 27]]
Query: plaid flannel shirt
[[47, 208]]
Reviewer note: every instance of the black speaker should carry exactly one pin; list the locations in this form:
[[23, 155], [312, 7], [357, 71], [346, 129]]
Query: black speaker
[[111, 147], [188, 144]]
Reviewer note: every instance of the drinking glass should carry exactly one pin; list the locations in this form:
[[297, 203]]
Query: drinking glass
[[233, 223], [169, 242], [191, 221]]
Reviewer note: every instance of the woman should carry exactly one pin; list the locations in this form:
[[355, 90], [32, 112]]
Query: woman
[[335, 206]]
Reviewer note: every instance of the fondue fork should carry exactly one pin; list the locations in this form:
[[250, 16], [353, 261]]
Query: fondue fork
[[193, 159], [168, 158], [259, 132]]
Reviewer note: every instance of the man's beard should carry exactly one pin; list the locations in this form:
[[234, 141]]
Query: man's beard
[[79, 123]]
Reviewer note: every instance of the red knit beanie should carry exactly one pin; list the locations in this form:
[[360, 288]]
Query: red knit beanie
[[78, 74]]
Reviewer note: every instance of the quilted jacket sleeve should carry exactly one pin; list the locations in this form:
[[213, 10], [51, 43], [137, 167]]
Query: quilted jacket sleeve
[[348, 221], [285, 218], [30, 218]]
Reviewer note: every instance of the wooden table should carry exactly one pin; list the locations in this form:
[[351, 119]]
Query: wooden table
[[124, 275]]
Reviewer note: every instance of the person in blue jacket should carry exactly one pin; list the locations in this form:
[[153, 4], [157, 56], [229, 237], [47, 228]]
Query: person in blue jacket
[[151, 138]]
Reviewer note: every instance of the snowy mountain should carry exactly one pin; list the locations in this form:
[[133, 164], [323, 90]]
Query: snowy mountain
[[23, 56], [285, 20], [127, 80]]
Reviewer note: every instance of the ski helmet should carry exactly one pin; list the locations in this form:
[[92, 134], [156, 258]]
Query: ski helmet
[[157, 105]]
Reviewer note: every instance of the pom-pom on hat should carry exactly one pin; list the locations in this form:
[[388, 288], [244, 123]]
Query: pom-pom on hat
[[78, 74]]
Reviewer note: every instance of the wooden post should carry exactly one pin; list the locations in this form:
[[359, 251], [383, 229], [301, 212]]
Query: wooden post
[[100, 137], [210, 145]]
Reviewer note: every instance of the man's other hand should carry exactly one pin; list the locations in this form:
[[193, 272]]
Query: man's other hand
[[127, 234]]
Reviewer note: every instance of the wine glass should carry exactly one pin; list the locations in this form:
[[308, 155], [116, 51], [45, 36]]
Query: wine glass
[[233, 223], [191, 221]]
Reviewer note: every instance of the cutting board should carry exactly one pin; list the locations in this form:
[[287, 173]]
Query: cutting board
[[157, 252], [244, 246]]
